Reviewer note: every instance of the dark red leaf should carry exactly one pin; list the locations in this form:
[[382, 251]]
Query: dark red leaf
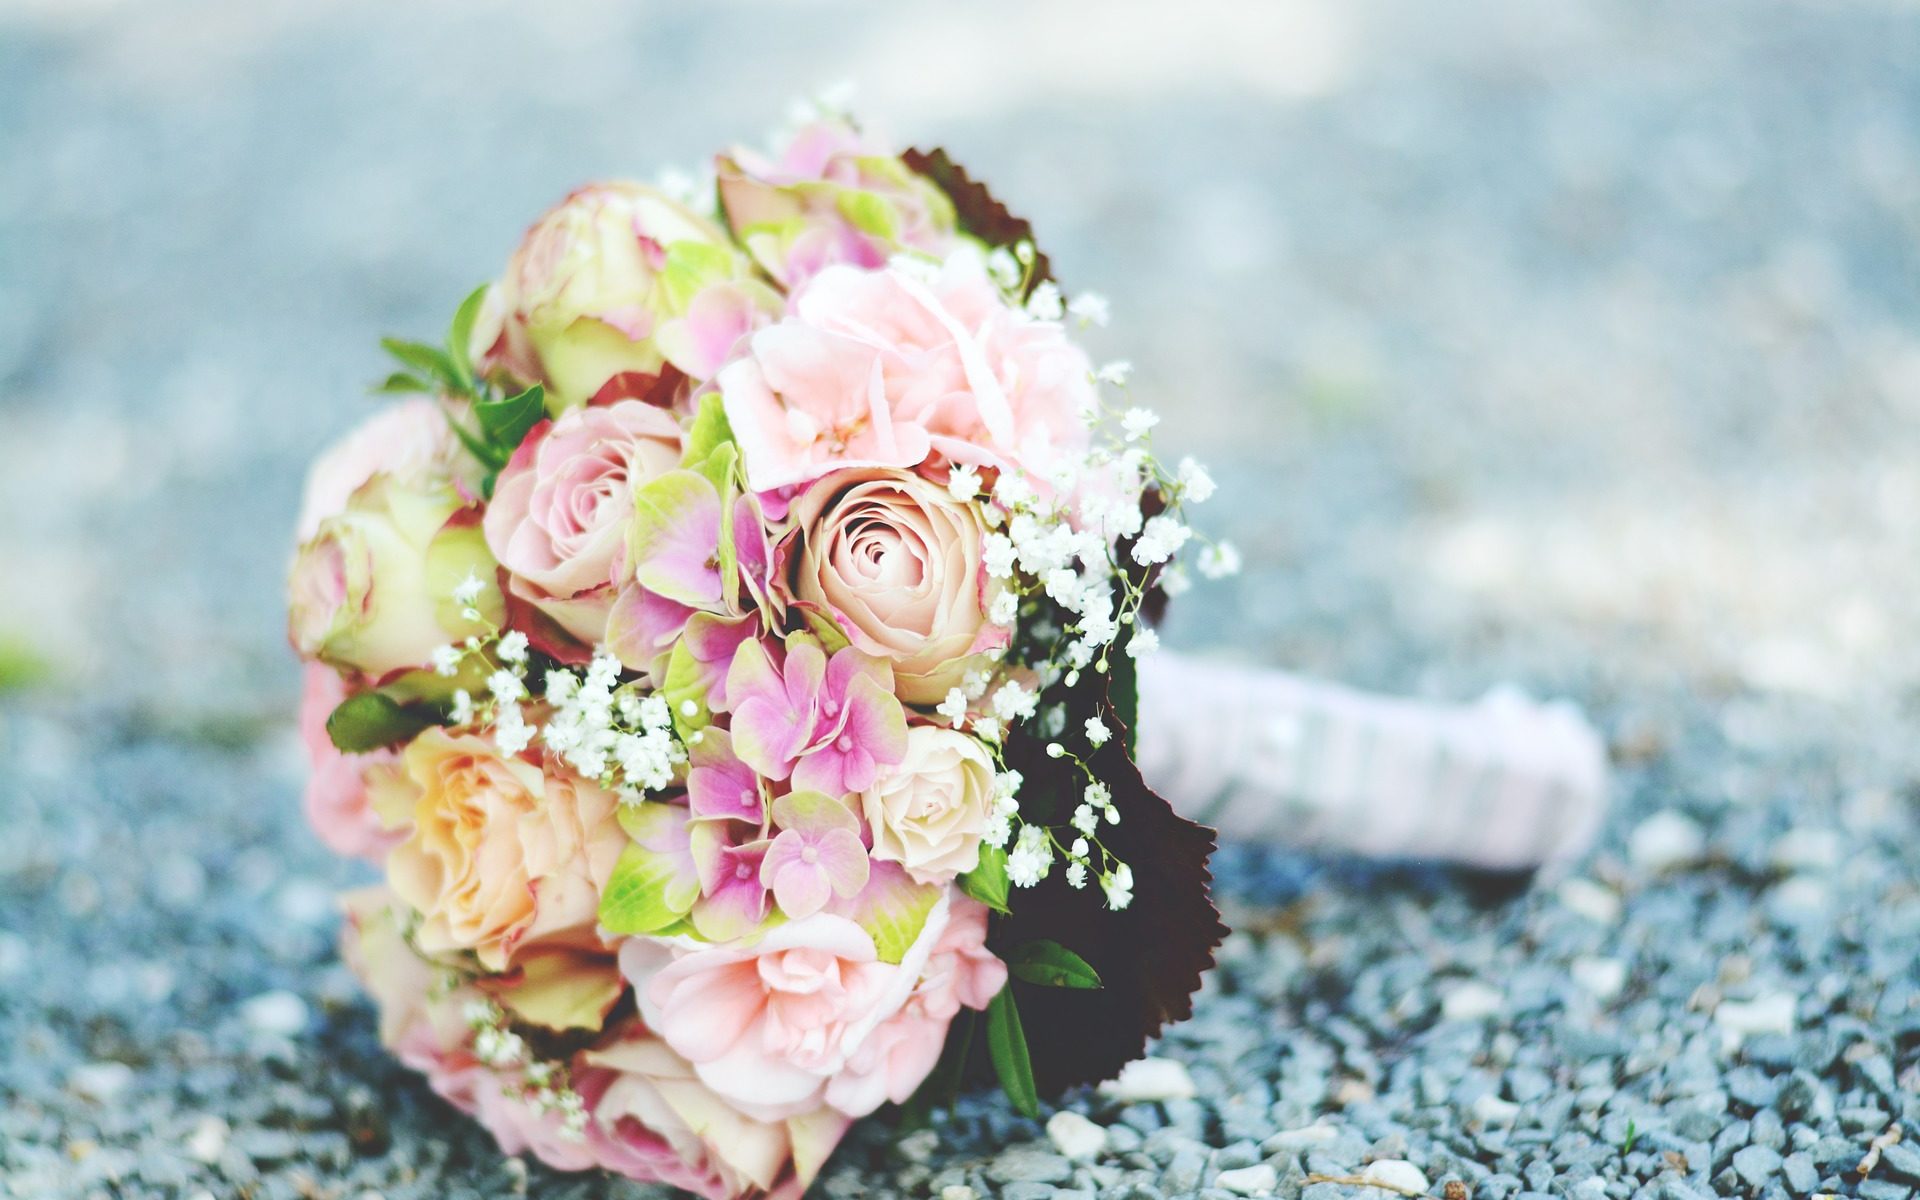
[[980, 214]]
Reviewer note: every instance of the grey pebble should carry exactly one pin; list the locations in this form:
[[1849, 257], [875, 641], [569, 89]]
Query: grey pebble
[[1757, 1165], [1800, 1175]]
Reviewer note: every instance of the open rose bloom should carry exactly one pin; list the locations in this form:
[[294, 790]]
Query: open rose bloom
[[727, 658]]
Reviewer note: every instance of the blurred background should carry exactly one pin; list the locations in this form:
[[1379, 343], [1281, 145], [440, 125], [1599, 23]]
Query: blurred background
[[1576, 344]]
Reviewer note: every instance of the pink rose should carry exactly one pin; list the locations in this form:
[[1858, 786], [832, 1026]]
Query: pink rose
[[562, 507], [887, 369], [896, 562], [768, 1026], [833, 196], [928, 814], [409, 440], [336, 799], [501, 851], [654, 1119]]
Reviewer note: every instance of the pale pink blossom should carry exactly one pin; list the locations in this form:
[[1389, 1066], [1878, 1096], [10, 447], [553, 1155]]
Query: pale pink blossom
[[882, 368], [562, 508], [336, 801], [830, 724], [818, 854]]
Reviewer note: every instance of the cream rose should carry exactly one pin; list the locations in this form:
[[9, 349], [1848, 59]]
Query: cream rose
[[501, 852], [896, 561], [928, 813]]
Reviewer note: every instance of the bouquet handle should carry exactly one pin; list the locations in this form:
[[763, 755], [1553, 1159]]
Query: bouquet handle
[[1505, 783]]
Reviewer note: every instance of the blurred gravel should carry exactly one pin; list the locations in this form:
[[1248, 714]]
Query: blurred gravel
[[1574, 345]]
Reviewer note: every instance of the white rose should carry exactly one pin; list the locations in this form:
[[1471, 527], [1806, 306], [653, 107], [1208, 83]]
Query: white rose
[[928, 814]]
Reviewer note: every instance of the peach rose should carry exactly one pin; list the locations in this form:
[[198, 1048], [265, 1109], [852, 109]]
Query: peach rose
[[896, 561], [336, 799], [501, 852], [767, 1026], [928, 813], [562, 507]]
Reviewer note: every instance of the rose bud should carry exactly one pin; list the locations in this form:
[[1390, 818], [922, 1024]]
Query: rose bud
[[373, 590], [896, 562], [610, 287]]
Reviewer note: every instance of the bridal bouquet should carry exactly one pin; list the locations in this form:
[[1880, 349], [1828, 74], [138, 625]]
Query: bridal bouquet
[[726, 647]]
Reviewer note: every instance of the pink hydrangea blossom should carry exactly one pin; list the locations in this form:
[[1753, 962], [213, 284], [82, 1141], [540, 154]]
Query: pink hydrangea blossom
[[818, 854], [829, 724]]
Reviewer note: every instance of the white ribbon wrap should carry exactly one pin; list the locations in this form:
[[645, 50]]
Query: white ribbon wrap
[[1505, 783]]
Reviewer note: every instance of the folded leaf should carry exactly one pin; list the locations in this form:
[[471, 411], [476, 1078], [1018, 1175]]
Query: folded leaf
[[987, 882], [1050, 964], [374, 720], [1007, 1046]]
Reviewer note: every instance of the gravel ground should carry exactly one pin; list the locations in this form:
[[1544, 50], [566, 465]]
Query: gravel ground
[[1574, 347]]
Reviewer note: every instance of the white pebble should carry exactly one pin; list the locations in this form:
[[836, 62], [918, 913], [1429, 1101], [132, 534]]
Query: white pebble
[[1075, 1136], [1146, 1079], [1666, 840], [1591, 900], [1471, 1001], [1396, 1173], [1764, 1014], [1800, 894], [1601, 978], [1257, 1180], [207, 1140], [102, 1081], [1300, 1139], [956, 1191], [280, 1013], [1807, 850], [1491, 1110]]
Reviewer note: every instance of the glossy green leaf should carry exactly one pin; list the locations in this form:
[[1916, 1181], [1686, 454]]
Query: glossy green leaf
[[422, 358], [400, 383], [460, 337], [1007, 1045], [1049, 964], [987, 882], [710, 431], [649, 890], [506, 421], [371, 721]]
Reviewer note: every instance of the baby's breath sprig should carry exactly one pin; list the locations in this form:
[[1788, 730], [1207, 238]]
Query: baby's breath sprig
[[545, 1087]]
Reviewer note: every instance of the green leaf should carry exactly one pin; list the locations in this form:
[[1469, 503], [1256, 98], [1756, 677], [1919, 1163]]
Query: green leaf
[[710, 431], [373, 720], [488, 455], [506, 421], [893, 911], [401, 383], [1049, 964], [460, 336], [645, 894], [422, 358], [1007, 1045], [987, 882], [869, 213], [683, 683]]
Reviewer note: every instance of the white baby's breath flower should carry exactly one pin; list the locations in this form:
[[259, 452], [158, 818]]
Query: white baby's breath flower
[[1195, 484], [511, 731], [963, 483], [1219, 560], [1076, 875], [976, 681], [468, 590], [987, 729], [997, 554], [1097, 732], [1013, 491], [1175, 580], [1085, 819], [1045, 303], [446, 659], [1090, 308], [462, 711], [1118, 885], [506, 686], [1032, 857], [1160, 539], [1116, 373], [513, 647], [1004, 609], [954, 707], [1004, 269], [1012, 702], [1144, 641]]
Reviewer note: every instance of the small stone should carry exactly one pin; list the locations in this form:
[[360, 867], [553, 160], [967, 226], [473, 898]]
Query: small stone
[[1756, 1165], [1880, 1189], [1492, 1110], [956, 1191], [208, 1139], [1807, 850], [1665, 841], [276, 1013], [1257, 1180], [1601, 978], [1901, 1161], [1027, 1190], [1292, 1141], [1185, 1171], [1595, 902], [1801, 1096], [1075, 1136], [1862, 1119], [1396, 1173], [1765, 1014], [1029, 1164], [1146, 1079], [1800, 1174], [101, 1081], [1471, 1001], [918, 1146]]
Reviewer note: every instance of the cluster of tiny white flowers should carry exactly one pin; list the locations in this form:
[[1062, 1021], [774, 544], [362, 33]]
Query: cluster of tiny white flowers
[[609, 732], [546, 1089]]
